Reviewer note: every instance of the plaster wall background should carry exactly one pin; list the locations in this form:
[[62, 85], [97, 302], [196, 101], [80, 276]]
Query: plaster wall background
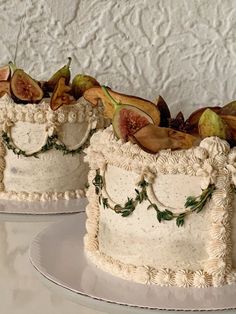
[[184, 50]]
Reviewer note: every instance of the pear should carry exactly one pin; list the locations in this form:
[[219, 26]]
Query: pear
[[81, 83], [63, 72]]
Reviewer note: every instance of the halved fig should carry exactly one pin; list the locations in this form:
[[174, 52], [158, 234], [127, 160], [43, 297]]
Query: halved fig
[[5, 73], [193, 119], [211, 124], [24, 89], [164, 111], [4, 88], [96, 93], [153, 138], [61, 95], [128, 119], [229, 109]]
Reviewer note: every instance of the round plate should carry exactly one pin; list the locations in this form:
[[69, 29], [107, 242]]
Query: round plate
[[47, 207], [57, 253]]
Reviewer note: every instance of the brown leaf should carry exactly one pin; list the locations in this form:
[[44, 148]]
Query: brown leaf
[[164, 111]]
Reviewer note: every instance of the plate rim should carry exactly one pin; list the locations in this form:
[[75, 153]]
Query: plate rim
[[59, 282]]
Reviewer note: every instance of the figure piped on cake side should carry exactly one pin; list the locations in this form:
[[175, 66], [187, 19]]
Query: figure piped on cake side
[[161, 193], [45, 125]]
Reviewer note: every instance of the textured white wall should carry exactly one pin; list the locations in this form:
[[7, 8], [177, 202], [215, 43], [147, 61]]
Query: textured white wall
[[184, 50]]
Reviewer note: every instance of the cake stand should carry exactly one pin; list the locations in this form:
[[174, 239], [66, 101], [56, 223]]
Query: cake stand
[[46, 207], [57, 253]]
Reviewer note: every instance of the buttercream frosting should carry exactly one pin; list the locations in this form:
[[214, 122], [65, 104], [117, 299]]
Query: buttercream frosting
[[46, 174], [139, 243]]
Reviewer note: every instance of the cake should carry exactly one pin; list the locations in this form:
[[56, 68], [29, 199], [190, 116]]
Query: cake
[[165, 218], [42, 140]]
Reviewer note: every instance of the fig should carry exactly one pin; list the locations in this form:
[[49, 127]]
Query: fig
[[211, 124], [24, 89], [5, 73], [95, 93], [4, 88], [63, 72], [193, 119], [127, 119], [230, 121], [164, 111], [61, 94], [229, 109], [153, 138], [81, 83]]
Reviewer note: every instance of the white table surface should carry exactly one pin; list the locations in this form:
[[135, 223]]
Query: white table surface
[[24, 291]]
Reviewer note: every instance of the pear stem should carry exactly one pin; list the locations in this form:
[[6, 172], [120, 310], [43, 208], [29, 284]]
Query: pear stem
[[108, 95], [12, 66]]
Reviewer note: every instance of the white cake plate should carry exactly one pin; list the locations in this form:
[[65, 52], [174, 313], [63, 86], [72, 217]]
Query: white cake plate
[[46, 207], [57, 253]]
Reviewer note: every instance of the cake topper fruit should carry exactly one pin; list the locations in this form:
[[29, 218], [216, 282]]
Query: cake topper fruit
[[229, 109], [5, 73], [81, 83], [61, 95], [4, 88], [153, 138], [63, 72], [211, 124], [127, 119], [94, 94], [24, 89]]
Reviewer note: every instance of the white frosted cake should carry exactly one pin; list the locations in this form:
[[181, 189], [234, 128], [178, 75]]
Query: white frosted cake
[[44, 127], [165, 217], [41, 150], [201, 253]]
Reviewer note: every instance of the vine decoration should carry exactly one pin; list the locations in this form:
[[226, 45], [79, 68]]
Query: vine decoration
[[193, 204], [52, 142]]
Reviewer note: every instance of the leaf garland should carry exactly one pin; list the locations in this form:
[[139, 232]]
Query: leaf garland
[[192, 204], [52, 142]]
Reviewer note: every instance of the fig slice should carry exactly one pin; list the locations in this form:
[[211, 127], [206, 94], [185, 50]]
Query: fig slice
[[153, 138], [127, 119], [164, 111], [81, 83], [5, 73], [211, 124], [63, 72], [61, 95], [97, 93], [4, 88], [24, 89]]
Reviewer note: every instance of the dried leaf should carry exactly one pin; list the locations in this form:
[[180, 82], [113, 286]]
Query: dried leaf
[[164, 111]]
